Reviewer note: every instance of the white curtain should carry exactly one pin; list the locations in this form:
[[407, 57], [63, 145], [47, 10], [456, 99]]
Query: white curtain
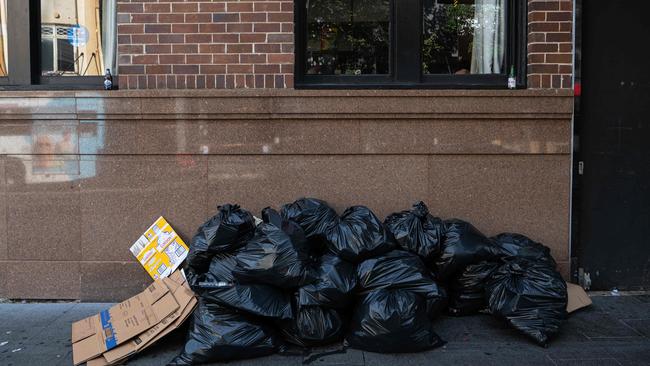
[[3, 38], [489, 37], [109, 35]]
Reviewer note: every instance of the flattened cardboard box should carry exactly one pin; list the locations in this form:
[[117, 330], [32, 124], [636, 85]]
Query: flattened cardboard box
[[160, 250], [104, 331], [578, 298], [187, 301]]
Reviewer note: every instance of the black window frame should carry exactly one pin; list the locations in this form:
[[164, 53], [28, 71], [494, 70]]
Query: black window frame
[[406, 71], [24, 43]]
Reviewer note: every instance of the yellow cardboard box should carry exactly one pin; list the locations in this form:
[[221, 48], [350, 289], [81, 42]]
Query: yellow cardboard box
[[160, 250]]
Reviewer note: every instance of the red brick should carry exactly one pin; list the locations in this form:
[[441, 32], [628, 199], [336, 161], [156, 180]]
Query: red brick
[[226, 38], [198, 59], [213, 69], [185, 28], [185, 69], [171, 38], [266, 27], [157, 8], [144, 38], [544, 27], [185, 7], [559, 16], [282, 37], [172, 59], [266, 6], [144, 18], [280, 17], [198, 18], [157, 28], [542, 69], [543, 47], [252, 17], [130, 7], [212, 48], [225, 17], [225, 59], [158, 48], [543, 5], [171, 18], [144, 59], [558, 37], [559, 58], [212, 28], [281, 58], [267, 48], [239, 48], [158, 69], [185, 48], [211, 7], [267, 69], [238, 7], [239, 27], [130, 28], [198, 38], [239, 69], [252, 37], [252, 58]]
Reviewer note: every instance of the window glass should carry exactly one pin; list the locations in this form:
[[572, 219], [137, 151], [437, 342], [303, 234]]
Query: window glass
[[463, 37], [78, 37], [348, 37], [4, 50]]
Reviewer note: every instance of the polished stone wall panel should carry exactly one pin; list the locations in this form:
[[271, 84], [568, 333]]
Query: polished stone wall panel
[[128, 193], [83, 174], [107, 281], [42, 280], [523, 194], [383, 183]]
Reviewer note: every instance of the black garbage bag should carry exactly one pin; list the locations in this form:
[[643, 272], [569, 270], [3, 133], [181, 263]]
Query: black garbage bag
[[218, 334], [392, 321], [219, 286], [229, 229], [531, 296], [277, 255], [335, 282], [400, 269], [463, 245], [314, 326], [358, 235], [417, 231], [520, 246], [467, 291], [313, 215]]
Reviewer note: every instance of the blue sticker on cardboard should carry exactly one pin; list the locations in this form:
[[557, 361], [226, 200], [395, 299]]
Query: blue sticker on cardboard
[[107, 327]]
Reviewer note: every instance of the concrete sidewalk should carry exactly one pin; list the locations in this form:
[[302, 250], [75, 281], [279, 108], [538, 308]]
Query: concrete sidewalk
[[614, 331]]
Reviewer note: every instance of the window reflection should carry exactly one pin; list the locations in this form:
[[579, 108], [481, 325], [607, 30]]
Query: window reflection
[[347, 37], [78, 37], [4, 50], [463, 37]]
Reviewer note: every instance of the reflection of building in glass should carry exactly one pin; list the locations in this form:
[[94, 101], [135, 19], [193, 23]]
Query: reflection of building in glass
[[4, 50], [76, 37]]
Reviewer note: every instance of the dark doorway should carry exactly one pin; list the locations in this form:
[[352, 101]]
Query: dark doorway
[[612, 188]]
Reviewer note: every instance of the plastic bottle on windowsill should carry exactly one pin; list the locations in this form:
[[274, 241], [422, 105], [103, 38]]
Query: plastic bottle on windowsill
[[512, 80], [108, 80]]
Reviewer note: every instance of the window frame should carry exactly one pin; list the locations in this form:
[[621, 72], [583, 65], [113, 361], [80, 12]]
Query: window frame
[[406, 72], [24, 42]]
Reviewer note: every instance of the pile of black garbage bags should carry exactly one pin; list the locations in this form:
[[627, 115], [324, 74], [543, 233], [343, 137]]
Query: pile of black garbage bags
[[307, 276]]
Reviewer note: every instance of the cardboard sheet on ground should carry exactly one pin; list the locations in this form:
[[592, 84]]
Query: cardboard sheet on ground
[[104, 331], [160, 250], [578, 298], [187, 302]]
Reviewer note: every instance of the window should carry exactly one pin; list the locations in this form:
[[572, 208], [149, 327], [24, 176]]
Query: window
[[410, 43], [59, 43]]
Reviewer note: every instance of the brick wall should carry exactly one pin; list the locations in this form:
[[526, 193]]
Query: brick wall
[[180, 44], [185, 44], [550, 43]]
